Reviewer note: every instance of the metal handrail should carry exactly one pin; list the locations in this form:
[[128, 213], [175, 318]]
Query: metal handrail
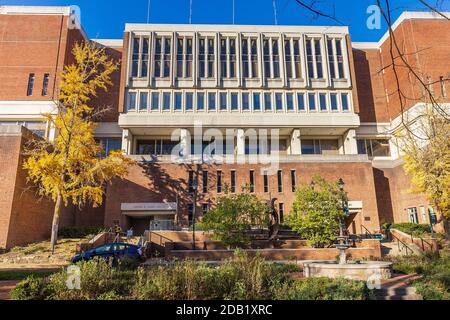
[[404, 244], [367, 230], [160, 237], [422, 240]]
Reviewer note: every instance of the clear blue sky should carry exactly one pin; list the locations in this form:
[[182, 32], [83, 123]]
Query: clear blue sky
[[106, 19]]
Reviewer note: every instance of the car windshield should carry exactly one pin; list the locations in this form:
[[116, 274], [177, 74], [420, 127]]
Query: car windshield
[[103, 249]]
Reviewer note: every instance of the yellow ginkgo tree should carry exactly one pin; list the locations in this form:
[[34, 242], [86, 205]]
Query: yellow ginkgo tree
[[68, 169]]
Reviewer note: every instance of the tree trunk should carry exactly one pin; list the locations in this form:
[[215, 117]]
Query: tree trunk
[[55, 223]]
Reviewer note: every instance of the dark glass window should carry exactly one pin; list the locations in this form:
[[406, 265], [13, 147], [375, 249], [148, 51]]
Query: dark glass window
[[219, 181], [30, 87], [45, 84], [280, 181], [233, 181], [294, 180], [266, 181], [252, 181], [205, 181]]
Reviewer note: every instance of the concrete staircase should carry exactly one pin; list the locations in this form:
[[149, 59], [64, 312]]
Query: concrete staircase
[[398, 288], [399, 249]]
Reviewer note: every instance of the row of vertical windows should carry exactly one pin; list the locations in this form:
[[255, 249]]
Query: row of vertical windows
[[228, 53], [233, 181], [31, 81], [234, 101]]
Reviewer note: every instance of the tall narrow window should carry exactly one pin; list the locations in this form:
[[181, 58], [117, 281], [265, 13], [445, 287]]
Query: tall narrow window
[[280, 181], [184, 57], [219, 181], [234, 101], [323, 101], [145, 57], [205, 182], [252, 181], [267, 101], [281, 212], [292, 58], [344, 102], [135, 57], [189, 101], [245, 101], [279, 101], [228, 57], [163, 49], [45, 84], [335, 58], [178, 101], [271, 58], [205, 208], [294, 180], [301, 101], [223, 101], [334, 102], [143, 101], [331, 58], [256, 101], [131, 103], [166, 101], [249, 58], [155, 101], [200, 101], [233, 181], [312, 102], [314, 58], [266, 181], [289, 102], [30, 87], [212, 101], [191, 182]]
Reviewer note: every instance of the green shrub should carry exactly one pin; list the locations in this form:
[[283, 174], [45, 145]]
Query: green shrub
[[412, 228], [79, 232], [321, 289], [32, 288]]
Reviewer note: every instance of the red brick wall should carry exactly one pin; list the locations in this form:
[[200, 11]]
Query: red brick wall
[[30, 44], [425, 45], [158, 183], [25, 217]]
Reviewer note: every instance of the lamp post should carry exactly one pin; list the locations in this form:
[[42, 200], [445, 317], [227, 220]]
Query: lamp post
[[194, 207], [343, 245]]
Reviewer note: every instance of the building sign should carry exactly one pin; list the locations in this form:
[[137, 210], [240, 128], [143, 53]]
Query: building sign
[[354, 206], [154, 206]]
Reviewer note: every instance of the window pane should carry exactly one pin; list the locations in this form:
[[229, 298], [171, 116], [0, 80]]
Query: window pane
[[267, 101], [329, 147], [223, 101], [323, 101], [290, 102], [166, 101], [301, 101], [132, 101], [307, 146], [189, 101], [334, 103], [256, 102], [312, 101], [380, 148], [234, 102], [200, 101], [212, 101], [178, 101], [279, 101], [361, 146], [30, 87], [143, 101], [155, 101], [345, 106], [245, 101]]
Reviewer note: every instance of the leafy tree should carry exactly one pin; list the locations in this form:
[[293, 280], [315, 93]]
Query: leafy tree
[[424, 142], [68, 169], [234, 215], [317, 211]]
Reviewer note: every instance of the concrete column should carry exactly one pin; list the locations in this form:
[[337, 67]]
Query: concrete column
[[350, 144], [185, 142], [240, 142], [296, 143], [127, 142]]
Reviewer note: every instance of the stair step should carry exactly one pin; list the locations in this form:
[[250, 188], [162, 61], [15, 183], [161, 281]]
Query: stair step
[[400, 297], [396, 291]]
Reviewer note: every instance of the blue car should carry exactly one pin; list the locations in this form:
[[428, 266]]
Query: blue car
[[112, 250]]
